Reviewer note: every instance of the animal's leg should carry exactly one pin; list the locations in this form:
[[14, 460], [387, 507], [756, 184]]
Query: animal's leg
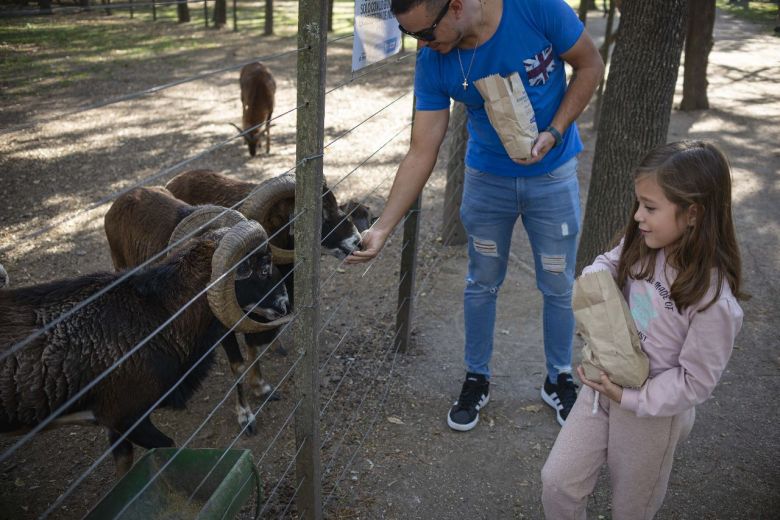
[[148, 436], [246, 419], [122, 452], [260, 388]]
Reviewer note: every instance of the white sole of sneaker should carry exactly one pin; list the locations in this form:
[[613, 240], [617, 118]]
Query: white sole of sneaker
[[470, 426], [552, 404]]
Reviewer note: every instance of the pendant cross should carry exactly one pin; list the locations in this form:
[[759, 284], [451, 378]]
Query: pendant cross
[[465, 84]]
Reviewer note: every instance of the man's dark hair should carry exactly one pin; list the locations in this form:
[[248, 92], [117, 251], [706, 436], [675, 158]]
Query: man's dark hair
[[401, 6]]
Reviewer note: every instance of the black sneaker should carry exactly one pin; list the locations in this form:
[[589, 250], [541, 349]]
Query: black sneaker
[[474, 395], [560, 397]]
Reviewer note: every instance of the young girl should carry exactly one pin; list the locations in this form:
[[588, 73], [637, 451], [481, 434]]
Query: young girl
[[678, 266]]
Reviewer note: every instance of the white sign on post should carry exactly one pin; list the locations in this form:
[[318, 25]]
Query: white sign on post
[[376, 33]]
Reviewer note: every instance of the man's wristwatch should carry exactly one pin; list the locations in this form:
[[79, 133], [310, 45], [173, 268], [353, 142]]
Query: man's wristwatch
[[556, 134]]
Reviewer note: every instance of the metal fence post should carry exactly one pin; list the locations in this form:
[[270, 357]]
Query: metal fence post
[[312, 34]]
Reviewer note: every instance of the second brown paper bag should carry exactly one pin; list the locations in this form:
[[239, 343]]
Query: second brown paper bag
[[611, 340]]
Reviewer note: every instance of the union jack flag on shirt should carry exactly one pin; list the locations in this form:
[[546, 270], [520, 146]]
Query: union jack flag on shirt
[[540, 67]]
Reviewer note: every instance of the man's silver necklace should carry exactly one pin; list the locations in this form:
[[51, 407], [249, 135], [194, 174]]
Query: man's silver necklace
[[467, 73]]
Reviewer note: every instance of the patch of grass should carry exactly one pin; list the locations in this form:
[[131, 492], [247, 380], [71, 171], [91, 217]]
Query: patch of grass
[[40, 52], [761, 12]]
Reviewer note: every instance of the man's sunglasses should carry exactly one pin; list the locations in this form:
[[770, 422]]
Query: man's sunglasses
[[427, 34]]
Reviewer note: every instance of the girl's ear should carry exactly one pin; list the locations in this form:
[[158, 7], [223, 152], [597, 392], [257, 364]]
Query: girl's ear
[[691, 214]]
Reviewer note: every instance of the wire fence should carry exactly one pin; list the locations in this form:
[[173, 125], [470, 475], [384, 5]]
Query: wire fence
[[354, 351]]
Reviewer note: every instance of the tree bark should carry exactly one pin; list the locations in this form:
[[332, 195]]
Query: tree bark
[[330, 15], [698, 44], [635, 115], [220, 13], [183, 11], [452, 231], [604, 51], [269, 17]]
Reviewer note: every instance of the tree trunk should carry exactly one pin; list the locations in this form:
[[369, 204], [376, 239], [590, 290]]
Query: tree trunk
[[604, 51], [635, 115], [183, 11], [44, 6], [330, 15], [452, 231], [585, 6], [698, 44], [269, 17], [220, 13]]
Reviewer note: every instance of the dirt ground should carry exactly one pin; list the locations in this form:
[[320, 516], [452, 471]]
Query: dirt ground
[[390, 455]]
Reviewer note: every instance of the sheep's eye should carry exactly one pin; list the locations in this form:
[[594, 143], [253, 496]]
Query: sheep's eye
[[243, 271], [265, 268]]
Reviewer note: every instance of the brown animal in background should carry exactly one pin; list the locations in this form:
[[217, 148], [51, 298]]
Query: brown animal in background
[[258, 89]]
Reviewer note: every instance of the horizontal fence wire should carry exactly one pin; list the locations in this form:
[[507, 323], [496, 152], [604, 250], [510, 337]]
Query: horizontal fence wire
[[355, 77], [239, 378], [347, 132], [355, 413], [344, 298], [158, 88], [130, 272], [162, 173], [189, 439], [431, 269], [292, 499], [352, 361], [286, 471], [146, 92], [91, 384], [108, 451], [379, 407], [78, 9], [70, 402]]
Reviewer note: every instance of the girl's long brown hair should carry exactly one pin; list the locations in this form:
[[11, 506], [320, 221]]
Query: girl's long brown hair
[[690, 173]]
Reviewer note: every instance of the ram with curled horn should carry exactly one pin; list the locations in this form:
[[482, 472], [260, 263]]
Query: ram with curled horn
[[272, 203], [149, 337], [145, 221]]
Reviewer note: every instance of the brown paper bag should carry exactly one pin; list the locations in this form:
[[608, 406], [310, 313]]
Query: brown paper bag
[[510, 112], [611, 340]]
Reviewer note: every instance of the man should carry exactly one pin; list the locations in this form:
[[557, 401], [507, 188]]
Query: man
[[466, 40]]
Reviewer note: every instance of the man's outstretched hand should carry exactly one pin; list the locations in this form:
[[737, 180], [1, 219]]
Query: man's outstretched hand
[[372, 242]]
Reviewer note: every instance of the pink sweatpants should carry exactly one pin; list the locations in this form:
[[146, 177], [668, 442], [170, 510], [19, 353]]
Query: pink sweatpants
[[638, 451]]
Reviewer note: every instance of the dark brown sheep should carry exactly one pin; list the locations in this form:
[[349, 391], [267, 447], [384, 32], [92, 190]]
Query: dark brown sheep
[[57, 366]]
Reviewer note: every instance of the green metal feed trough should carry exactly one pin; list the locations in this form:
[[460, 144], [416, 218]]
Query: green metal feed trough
[[221, 495]]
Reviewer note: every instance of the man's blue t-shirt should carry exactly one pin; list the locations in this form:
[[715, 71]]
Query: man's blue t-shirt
[[530, 38]]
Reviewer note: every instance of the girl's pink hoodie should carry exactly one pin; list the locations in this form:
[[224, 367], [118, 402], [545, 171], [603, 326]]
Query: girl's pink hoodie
[[688, 351]]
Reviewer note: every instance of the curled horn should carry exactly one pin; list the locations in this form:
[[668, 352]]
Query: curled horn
[[240, 130], [205, 218], [259, 204], [240, 240]]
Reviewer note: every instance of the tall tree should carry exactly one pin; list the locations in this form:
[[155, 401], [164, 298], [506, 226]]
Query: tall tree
[[635, 114], [269, 18], [698, 44], [183, 10], [220, 13]]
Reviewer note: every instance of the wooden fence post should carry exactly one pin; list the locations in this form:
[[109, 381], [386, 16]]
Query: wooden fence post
[[452, 231], [312, 34], [405, 308]]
